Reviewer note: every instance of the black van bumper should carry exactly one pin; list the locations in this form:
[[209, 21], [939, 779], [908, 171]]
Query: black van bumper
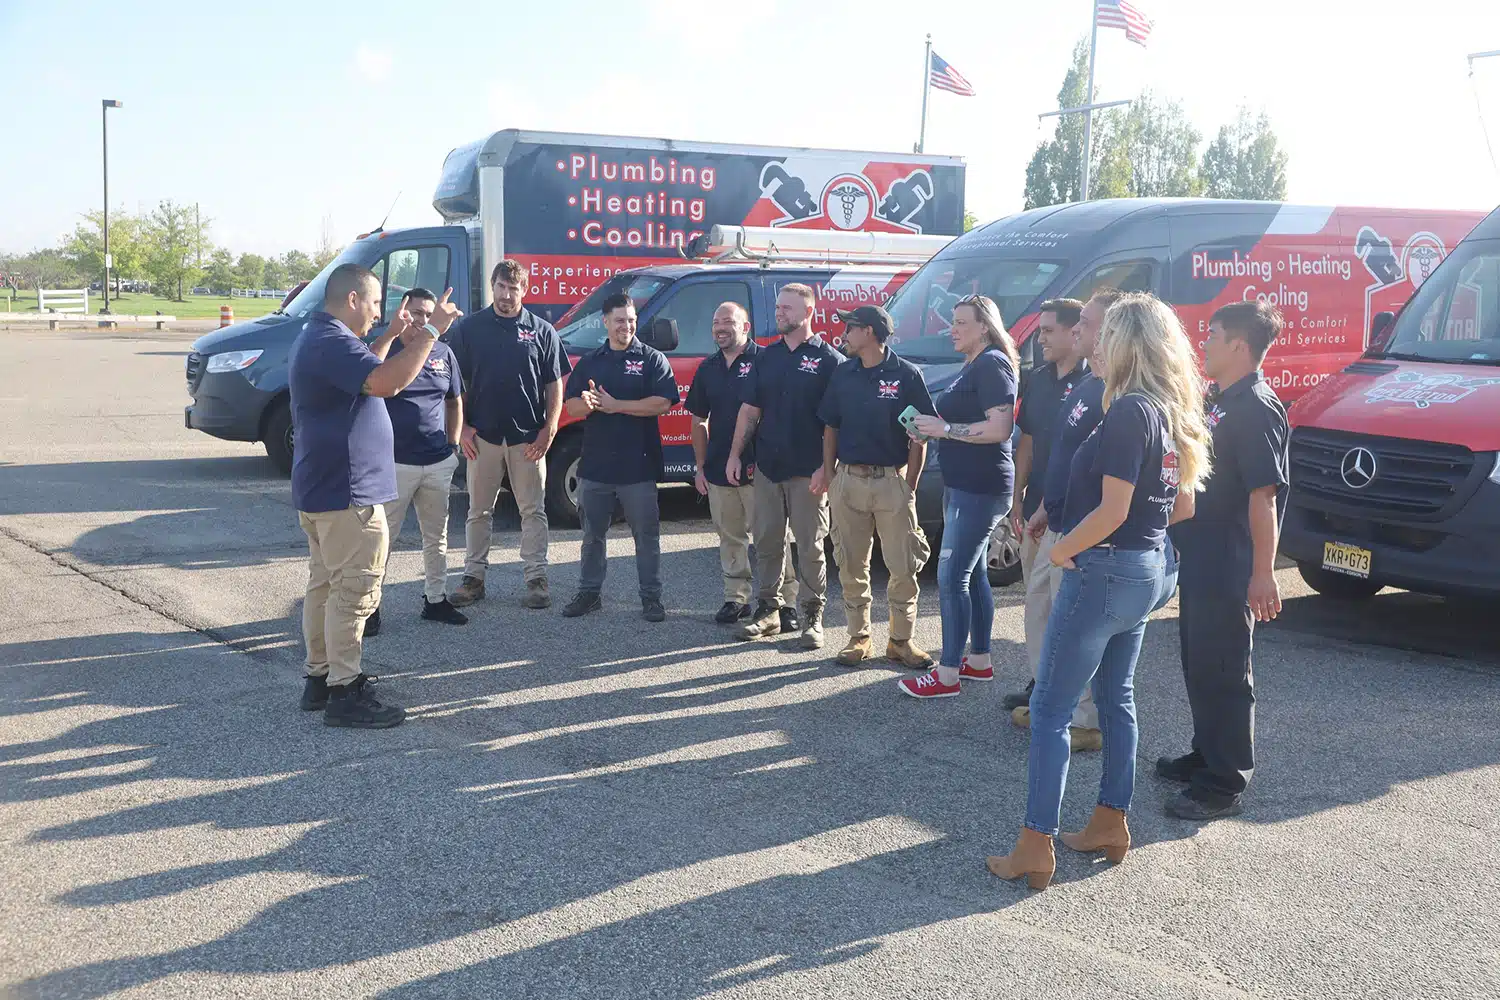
[[1457, 556], [227, 406]]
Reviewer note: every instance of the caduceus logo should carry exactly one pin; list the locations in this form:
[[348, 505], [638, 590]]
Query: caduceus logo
[[848, 200]]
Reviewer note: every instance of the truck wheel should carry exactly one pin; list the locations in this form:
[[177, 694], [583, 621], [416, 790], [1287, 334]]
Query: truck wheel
[[1336, 585], [562, 480], [278, 436], [1004, 557]]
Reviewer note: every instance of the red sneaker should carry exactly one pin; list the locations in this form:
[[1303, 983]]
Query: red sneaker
[[969, 673], [927, 686]]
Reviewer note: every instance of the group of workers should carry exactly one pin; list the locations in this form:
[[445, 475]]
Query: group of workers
[[1127, 481]]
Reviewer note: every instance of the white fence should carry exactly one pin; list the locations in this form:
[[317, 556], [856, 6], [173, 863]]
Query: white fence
[[63, 300]]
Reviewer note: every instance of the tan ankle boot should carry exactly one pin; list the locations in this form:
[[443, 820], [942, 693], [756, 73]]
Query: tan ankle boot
[[1032, 857], [1107, 831]]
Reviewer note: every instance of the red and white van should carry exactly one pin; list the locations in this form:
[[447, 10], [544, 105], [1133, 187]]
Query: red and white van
[[1395, 459]]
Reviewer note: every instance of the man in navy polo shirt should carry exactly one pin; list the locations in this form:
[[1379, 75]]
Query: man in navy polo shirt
[[512, 364], [1227, 563], [426, 417], [343, 472], [619, 390], [714, 400], [870, 471], [780, 414], [1081, 411]]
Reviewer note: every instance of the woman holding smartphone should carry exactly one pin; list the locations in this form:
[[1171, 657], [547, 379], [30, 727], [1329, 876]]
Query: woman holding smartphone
[[973, 431], [1123, 487]]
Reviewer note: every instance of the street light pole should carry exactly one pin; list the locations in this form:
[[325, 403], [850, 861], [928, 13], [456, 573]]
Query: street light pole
[[104, 116]]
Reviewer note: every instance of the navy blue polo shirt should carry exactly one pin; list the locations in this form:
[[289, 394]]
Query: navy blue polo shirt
[[1250, 433], [619, 448], [787, 386], [1131, 443], [1037, 417], [985, 383], [1080, 413], [716, 395], [862, 404], [507, 363], [344, 455], [419, 417]]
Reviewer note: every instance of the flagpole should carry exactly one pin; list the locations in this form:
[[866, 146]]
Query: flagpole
[[1088, 100], [926, 86]]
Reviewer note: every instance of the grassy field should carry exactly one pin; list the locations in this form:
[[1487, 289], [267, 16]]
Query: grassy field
[[196, 306]]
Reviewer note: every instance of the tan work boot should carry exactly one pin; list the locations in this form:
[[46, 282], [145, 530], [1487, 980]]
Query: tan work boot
[[1107, 831], [468, 592], [764, 621], [856, 652], [1032, 857], [537, 594], [1021, 716], [812, 625], [912, 657], [1080, 740]]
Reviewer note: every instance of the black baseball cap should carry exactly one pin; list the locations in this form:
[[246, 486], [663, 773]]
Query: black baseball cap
[[876, 318]]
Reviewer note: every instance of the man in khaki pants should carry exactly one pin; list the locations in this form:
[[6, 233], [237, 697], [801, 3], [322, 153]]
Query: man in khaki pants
[[513, 366], [870, 470], [343, 471], [714, 400]]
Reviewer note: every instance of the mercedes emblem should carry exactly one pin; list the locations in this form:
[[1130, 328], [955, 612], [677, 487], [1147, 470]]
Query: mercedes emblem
[[1358, 468]]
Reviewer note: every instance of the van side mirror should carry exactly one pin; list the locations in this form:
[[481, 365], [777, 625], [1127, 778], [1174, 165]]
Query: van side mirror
[[1380, 324], [663, 334]]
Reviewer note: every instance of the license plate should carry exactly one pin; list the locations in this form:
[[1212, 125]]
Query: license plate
[[1350, 560]]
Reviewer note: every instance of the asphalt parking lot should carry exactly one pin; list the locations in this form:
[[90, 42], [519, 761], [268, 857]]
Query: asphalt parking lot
[[609, 808]]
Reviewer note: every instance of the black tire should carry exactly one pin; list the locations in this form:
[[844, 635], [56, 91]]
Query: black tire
[[1337, 585], [278, 436], [562, 480], [1003, 558]]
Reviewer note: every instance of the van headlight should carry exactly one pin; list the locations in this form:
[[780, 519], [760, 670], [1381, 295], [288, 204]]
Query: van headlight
[[1495, 472], [233, 361]]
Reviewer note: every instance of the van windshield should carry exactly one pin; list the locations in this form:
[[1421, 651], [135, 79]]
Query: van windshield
[[1455, 316], [582, 327], [923, 307], [311, 296]]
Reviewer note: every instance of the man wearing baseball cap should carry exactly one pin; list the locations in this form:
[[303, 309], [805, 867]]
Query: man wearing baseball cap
[[870, 470]]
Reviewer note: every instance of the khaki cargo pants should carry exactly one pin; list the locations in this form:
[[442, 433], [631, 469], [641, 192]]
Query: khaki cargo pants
[[346, 562], [778, 505], [868, 500], [496, 464], [733, 511]]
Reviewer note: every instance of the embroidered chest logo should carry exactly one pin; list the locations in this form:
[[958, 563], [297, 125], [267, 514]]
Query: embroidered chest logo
[[809, 364], [437, 365], [743, 371], [635, 367], [1079, 409], [526, 336], [889, 390], [1215, 414]]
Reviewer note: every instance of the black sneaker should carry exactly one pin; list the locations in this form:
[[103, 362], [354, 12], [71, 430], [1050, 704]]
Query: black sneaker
[[315, 693], [731, 612], [1179, 768], [788, 620], [582, 603], [443, 611], [372, 624], [652, 611], [1184, 805], [1011, 702], [354, 706]]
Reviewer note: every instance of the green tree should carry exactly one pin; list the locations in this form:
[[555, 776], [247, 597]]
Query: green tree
[[327, 247], [85, 246], [970, 220], [174, 235], [275, 274], [250, 272], [220, 276], [44, 269], [1245, 161], [299, 266], [1055, 174], [1162, 150]]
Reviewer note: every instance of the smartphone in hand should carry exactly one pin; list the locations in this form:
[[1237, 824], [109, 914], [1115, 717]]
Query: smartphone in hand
[[908, 419]]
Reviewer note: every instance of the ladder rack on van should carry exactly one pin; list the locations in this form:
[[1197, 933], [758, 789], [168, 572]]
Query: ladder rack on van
[[766, 245]]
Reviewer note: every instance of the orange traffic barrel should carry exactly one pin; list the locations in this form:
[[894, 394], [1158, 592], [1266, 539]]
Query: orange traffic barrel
[[226, 316]]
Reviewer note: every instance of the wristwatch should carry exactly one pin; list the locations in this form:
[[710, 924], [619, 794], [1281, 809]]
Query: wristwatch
[[947, 429]]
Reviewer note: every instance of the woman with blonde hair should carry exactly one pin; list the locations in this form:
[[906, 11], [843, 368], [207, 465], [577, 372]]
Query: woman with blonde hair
[[973, 429], [1133, 475]]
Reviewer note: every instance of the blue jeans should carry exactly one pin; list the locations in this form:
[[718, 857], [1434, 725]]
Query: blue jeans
[[968, 607], [1094, 634]]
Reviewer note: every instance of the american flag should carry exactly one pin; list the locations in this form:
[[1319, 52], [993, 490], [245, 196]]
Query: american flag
[[1123, 14], [945, 77]]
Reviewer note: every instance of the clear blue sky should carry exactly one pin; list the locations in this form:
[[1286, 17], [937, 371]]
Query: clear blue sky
[[278, 116]]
